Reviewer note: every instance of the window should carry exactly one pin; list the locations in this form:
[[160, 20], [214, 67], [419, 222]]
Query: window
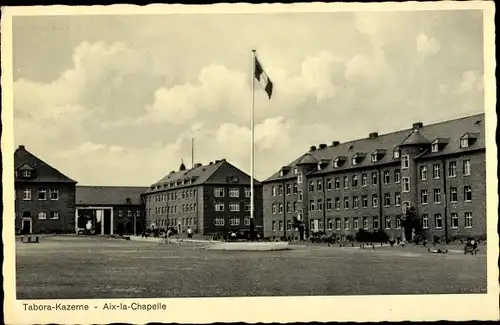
[[289, 225], [311, 186], [374, 157], [396, 153], [219, 221], [274, 225], [300, 198], [355, 223], [398, 222], [374, 201], [219, 206], [42, 215], [26, 194], [365, 222], [337, 203], [42, 194], [311, 205], [120, 213], [337, 183], [425, 221], [405, 162], [397, 199], [375, 222], [466, 167], [355, 202], [387, 222], [354, 180], [436, 171], [467, 194], [423, 173], [54, 194], [346, 202], [364, 201], [374, 179], [129, 213], [387, 199], [438, 220], [406, 184], [320, 205], [464, 143], [234, 192], [295, 188], [468, 219], [329, 204], [437, 195], [248, 192], [295, 171], [364, 180], [54, 215], [337, 224], [346, 182], [234, 221], [288, 189], [219, 192], [26, 173], [435, 147], [273, 191], [288, 207], [453, 195], [299, 178], [329, 184], [397, 176], [247, 207], [280, 190], [329, 224], [387, 177], [294, 206], [280, 208], [423, 196], [346, 223], [320, 224], [454, 220], [138, 213], [452, 169], [319, 185]]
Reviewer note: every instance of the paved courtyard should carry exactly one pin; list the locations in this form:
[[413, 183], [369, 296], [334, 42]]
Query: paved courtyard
[[65, 267]]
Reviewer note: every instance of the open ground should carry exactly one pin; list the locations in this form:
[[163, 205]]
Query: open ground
[[70, 267]]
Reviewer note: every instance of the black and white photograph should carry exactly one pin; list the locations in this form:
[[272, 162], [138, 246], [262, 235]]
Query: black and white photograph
[[250, 157]]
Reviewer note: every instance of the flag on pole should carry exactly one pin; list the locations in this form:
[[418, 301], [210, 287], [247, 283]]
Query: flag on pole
[[263, 78]]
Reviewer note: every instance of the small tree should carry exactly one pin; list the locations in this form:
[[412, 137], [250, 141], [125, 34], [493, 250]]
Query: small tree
[[412, 224], [298, 224]]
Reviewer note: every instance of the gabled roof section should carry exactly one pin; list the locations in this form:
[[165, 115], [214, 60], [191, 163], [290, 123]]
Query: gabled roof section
[[415, 138], [109, 195], [451, 129], [307, 159], [44, 172]]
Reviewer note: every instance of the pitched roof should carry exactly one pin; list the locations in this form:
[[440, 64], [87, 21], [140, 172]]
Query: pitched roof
[[23, 159], [415, 138], [307, 159], [451, 129], [109, 195]]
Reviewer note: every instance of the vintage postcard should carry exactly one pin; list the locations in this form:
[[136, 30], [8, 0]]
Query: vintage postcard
[[254, 163]]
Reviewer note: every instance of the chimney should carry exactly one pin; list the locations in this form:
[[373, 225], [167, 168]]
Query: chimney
[[322, 146], [373, 135], [172, 172], [335, 143], [197, 165], [417, 125], [312, 148], [21, 147], [217, 161], [210, 163]]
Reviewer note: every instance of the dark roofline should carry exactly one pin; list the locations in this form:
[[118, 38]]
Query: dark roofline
[[273, 178]]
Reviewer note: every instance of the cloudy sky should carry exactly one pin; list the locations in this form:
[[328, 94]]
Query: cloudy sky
[[115, 100]]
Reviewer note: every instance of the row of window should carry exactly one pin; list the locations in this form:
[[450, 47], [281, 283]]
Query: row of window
[[173, 222], [452, 170], [233, 206], [467, 197], [172, 196], [129, 213], [43, 194], [173, 209], [233, 192], [44, 215], [336, 223], [233, 221]]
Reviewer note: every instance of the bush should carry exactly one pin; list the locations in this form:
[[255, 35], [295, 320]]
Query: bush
[[363, 236]]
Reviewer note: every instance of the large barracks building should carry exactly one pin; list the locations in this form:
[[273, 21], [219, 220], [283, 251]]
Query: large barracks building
[[212, 198], [339, 188]]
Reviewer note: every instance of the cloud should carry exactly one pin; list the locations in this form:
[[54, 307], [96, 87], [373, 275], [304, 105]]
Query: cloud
[[427, 46]]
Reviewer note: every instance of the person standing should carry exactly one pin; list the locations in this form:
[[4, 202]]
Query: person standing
[[189, 233]]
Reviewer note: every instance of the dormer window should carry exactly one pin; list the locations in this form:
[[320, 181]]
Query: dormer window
[[26, 173], [357, 158], [438, 144], [396, 154], [377, 155], [374, 157], [295, 170], [468, 140], [435, 147], [339, 161], [282, 173]]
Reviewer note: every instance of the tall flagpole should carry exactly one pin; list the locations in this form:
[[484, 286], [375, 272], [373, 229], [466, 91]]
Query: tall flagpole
[[192, 152], [252, 194]]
